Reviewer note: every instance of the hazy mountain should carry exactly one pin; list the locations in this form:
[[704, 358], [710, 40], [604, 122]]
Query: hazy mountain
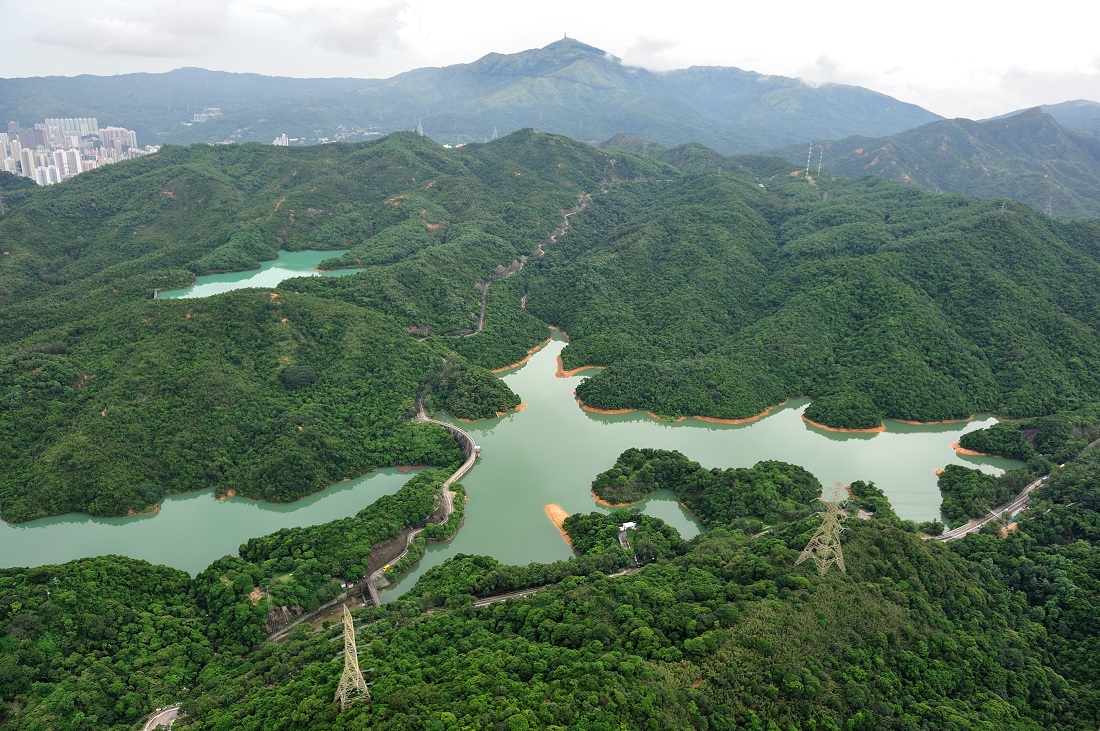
[[567, 87], [1028, 157], [1079, 115]]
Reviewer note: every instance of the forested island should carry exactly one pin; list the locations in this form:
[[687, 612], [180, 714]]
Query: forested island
[[703, 285]]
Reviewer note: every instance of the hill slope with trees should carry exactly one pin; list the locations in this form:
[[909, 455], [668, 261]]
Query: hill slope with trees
[[717, 288], [1028, 157]]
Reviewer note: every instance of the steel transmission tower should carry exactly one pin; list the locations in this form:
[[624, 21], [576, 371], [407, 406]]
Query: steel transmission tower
[[824, 548], [352, 686]]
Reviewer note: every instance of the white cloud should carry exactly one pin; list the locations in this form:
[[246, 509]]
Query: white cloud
[[358, 30], [155, 29]]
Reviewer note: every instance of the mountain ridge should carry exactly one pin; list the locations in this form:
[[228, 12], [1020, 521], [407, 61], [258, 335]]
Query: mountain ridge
[[566, 87], [1028, 157]]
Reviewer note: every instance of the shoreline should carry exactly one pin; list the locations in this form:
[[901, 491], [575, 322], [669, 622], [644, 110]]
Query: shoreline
[[131, 513], [600, 501], [497, 415], [562, 373], [967, 452], [746, 420], [929, 423], [557, 516], [530, 353], [843, 430], [670, 420]]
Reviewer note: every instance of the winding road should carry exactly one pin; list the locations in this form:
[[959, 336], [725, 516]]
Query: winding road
[[1018, 504]]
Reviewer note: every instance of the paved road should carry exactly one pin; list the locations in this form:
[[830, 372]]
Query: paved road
[[486, 601], [164, 718], [1018, 504]]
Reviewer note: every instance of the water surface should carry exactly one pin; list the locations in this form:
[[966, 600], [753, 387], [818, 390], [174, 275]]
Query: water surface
[[270, 274], [551, 450]]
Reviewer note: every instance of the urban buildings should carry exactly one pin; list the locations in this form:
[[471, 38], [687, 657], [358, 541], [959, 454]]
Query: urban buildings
[[58, 149]]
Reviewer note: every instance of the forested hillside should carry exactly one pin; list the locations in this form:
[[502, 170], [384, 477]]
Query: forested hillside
[[269, 394], [1028, 157], [707, 285], [719, 296], [724, 631]]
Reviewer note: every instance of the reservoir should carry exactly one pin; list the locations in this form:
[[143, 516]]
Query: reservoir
[[270, 274], [549, 452]]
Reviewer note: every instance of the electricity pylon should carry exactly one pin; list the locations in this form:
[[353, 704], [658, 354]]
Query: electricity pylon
[[824, 548], [352, 679]]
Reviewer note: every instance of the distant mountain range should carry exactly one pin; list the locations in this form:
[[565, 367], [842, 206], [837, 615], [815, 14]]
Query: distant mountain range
[[567, 87], [1028, 157], [1079, 115]]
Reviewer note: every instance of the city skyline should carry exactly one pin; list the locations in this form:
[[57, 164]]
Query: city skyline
[[57, 149]]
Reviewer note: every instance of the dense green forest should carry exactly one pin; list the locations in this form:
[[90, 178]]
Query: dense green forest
[[271, 395], [768, 491], [873, 299], [723, 631]]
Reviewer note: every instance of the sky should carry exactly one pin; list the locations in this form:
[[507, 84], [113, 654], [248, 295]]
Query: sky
[[958, 58]]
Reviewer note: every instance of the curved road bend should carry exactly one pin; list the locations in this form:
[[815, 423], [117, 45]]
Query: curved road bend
[[164, 718], [469, 448], [1018, 504]]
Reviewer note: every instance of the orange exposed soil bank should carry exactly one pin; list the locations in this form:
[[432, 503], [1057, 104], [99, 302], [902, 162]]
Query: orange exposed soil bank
[[530, 353], [606, 504], [228, 494], [877, 429], [131, 512], [665, 419], [557, 516], [522, 405], [562, 373], [968, 452], [746, 420], [594, 410]]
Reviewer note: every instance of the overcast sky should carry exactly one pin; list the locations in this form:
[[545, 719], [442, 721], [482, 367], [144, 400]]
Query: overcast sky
[[958, 58]]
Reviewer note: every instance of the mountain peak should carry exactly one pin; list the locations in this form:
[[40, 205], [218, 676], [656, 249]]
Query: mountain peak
[[572, 45]]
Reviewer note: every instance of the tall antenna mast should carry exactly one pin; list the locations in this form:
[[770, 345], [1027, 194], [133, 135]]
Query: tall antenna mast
[[1048, 209], [820, 157], [352, 686], [809, 156]]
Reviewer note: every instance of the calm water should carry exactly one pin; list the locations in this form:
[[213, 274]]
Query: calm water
[[547, 453], [550, 451], [271, 273], [189, 531]]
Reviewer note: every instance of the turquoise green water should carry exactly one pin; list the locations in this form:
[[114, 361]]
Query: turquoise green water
[[271, 273], [547, 453], [550, 451], [189, 531]]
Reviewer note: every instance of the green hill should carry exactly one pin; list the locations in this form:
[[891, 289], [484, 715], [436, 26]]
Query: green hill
[[715, 293], [1028, 157], [183, 394]]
